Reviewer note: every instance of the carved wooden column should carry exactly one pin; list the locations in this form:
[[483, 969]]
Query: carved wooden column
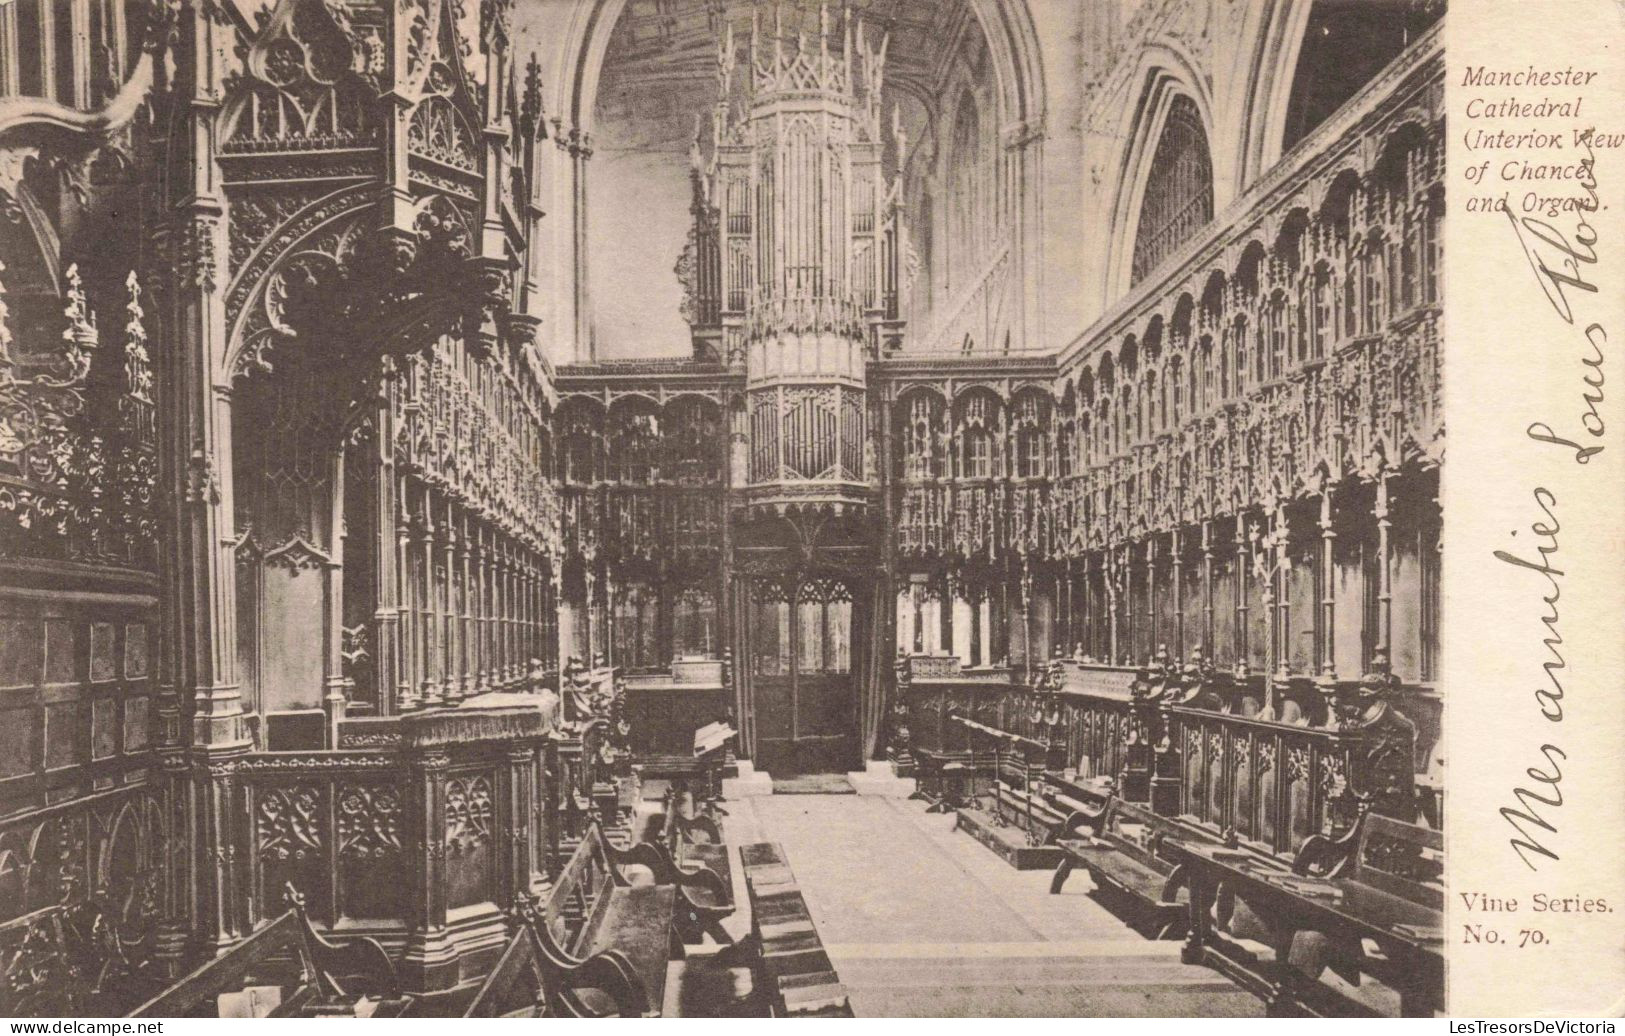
[[1280, 577], [1243, 565], [1385, 569], [518, 806], [219, 922], [1110, 578], [200, 568], [526, 630], [514, 668], [429, 952], [502, 664], [1207, 587], [916, 597], [468, 560], [386, 620], [534, 581], [1328, 587], [452, 655], [433, 691], [406, 692], [1177, 547], [1089, 617], [335, 685], [1067, 626], [516, 621], [1150, 595], [475, 560], [487, 613]]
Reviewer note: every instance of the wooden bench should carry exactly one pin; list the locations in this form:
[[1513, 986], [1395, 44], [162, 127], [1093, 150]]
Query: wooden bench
[[792, 972], [535, 978], [693, 844], [1116, 863], [1380, 884], [596, 908], [287, 969]]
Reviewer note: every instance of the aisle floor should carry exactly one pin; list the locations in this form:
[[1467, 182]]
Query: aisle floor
[[921, 920]]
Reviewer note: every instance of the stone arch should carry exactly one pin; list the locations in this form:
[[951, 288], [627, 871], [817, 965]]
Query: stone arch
[[1007, 25], [1272, 75], [578, 40], [1277, 41], [1165, 73]]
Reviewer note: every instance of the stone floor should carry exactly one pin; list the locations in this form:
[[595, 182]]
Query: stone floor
[[921, 920]]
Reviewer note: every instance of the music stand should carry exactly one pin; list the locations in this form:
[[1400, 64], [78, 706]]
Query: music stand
[[710, 750]]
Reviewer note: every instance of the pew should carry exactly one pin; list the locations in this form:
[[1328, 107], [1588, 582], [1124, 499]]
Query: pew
[[287, 969], [1005, 768], [595, 908], [1373, 898], [535, 978], [694, 843], [1092, 837]]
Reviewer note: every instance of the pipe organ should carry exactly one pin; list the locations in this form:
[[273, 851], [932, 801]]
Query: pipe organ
[[794, 252]]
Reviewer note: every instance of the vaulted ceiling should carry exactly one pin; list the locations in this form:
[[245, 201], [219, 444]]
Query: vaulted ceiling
[[658, 86], [665, 40]]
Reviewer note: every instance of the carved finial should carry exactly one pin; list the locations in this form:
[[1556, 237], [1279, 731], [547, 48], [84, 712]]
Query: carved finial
[[137, 364]]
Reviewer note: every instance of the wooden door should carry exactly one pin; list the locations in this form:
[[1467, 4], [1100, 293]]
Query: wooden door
[[800, 635]]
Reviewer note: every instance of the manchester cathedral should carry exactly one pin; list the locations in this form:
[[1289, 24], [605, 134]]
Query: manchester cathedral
[[723, 508]]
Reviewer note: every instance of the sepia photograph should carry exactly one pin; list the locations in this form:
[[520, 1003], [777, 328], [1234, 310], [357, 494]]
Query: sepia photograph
[[722, 508]]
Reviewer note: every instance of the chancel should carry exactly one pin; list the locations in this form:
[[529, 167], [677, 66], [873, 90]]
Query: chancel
[[714, 507]]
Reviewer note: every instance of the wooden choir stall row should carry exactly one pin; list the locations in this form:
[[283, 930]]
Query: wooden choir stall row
[[509, 856], [1278, 827]]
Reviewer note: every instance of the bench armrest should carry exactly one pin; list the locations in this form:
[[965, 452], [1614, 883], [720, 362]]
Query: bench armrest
[[644, 854], [611, 972], [355, 967], [687, 828], [565, 975]]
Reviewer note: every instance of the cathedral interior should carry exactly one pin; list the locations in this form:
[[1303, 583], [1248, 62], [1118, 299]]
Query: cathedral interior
[[710, 507]]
